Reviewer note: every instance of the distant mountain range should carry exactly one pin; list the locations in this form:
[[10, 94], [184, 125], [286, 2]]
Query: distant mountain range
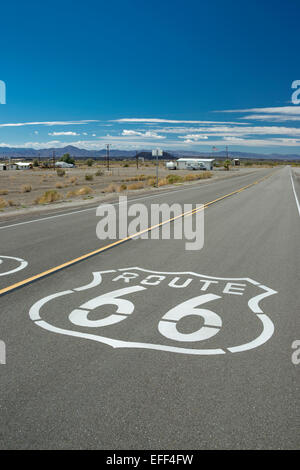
[[29, 153]]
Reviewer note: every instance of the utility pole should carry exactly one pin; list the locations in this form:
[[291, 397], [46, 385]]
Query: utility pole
[[107, 155], [137, 160], [53, 159], [226, 152]]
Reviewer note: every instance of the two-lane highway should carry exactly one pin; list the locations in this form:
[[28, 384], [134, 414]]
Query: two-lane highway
[[148, 345], [50, 241]]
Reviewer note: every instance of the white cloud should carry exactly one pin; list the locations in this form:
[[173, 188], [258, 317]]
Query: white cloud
[[228, 131], [194, 137], [36, 145], [170, 121], [155, 120], [47, 123], [276, 110], [272, 117], [275, 114], [63, 133], [147, 134], [132, 143]]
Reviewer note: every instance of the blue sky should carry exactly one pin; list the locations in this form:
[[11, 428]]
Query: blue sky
[[151, 74]]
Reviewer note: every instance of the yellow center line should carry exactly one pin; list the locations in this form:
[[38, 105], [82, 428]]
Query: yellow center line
[[12, 287]]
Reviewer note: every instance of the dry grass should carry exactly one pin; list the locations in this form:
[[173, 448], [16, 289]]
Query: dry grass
[[26, 188], [137, 178], [162, 182], [151, 181], [71, 194], [73, 180], [198, 176], [60, 172], [48, 197], [139, 185], [12, 203], [3, 203], [84, 191], [111, 188]]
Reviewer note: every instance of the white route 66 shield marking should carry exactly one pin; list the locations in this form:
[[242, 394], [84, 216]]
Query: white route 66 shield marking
[[139, 280]]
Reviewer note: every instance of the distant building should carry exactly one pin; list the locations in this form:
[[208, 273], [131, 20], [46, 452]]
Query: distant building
[[23, 165], [195, 163]]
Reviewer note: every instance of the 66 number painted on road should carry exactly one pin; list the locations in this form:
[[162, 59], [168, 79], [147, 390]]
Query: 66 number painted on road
[[168, 324]]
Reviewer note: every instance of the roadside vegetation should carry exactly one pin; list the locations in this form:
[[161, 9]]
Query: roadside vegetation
[[44, 184]]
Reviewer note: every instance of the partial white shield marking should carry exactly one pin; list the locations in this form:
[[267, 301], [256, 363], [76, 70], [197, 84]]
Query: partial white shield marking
[[22, 264]]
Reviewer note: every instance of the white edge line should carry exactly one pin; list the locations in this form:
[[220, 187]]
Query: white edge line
[[295, 194]]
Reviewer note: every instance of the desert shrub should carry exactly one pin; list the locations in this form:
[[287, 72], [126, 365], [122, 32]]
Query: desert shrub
[[12, 203], [138, 185], [3, 203], [162, 182], [90, 162], [26, 188], [60, 172], [125, 165], [99, 173], [198, 176], [83, 191], [71, 193], [73, 179], [122, 187], [111, 188], [151, 181], [137, 178], [49, 196], [174, 179], [227, 164], [190, 177], [3, 192], [205, 175], [59, 185], [89, 177]]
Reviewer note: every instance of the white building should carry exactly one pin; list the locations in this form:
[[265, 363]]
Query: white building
[[23, 165], [195, 163]]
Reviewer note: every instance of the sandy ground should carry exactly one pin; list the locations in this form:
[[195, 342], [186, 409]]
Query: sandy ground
[[13, 184]]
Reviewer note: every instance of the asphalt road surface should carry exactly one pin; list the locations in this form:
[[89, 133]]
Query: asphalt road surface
[[147, 345]]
